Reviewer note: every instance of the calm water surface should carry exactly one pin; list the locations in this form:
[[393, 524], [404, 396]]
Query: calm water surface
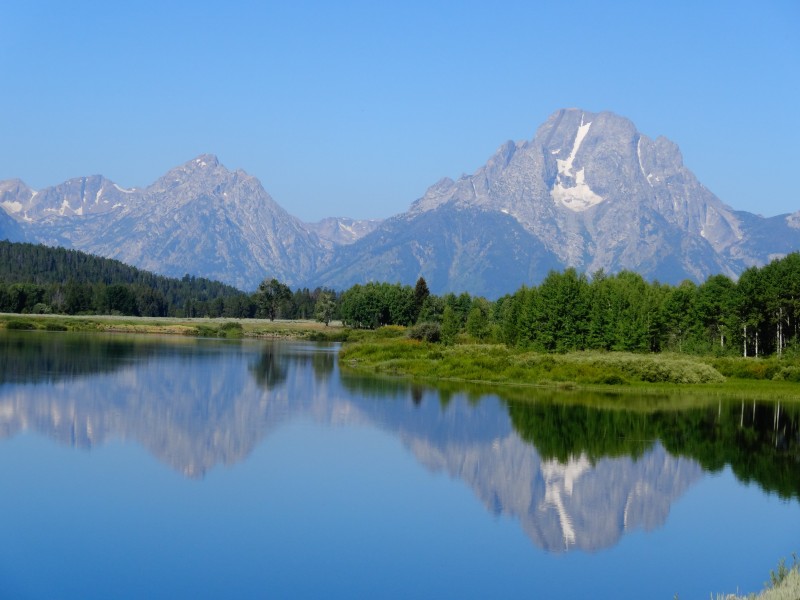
[[182, 468]]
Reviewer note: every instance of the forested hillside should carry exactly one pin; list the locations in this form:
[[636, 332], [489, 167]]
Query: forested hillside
[[37, 278]]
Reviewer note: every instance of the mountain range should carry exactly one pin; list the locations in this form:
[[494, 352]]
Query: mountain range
[[588, 191]]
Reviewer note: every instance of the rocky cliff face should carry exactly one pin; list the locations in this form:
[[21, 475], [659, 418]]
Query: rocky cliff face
[[199, 218], [588, 191]]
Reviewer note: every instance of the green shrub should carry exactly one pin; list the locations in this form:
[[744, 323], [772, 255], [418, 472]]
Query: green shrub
[[426, 332], [612, 379], [206, 331], [231, 329], [790, 373], [55, 327], [22, 325], [389, 331], [747, 368]]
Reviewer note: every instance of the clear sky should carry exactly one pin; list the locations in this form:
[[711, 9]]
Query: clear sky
[[355, 108]]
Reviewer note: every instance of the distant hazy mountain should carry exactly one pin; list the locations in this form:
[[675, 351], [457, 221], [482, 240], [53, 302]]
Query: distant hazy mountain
[[588, 191], [9, 228], [341, 231]]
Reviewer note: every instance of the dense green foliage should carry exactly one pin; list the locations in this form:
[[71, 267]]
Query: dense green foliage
[[37, 279], [376, 304], [40, 279], [758, 315], [500, 364]]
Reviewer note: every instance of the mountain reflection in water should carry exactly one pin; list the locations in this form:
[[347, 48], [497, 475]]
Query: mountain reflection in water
[[572, 475]]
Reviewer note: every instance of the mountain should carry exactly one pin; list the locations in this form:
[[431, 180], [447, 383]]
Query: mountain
[[341, 231], [588, 191], [455, 248], [199, 218], [9, 228]]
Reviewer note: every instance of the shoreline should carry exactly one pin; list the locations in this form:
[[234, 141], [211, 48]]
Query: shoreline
[[389, 354], [221, 327]]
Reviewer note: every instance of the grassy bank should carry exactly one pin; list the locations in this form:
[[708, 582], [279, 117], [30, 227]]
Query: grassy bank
[[784, 584], [223, 328], [497, 364]]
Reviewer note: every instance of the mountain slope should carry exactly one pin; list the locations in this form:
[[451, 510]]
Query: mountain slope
[[199, 218], [454, 248], [589, 191]]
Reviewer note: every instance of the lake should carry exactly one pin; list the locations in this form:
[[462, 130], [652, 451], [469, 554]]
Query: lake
[[150, 467]]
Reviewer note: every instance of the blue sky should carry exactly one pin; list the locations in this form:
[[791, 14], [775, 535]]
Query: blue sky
[[355, 108]]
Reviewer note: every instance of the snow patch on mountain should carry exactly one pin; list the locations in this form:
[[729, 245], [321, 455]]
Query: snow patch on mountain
[[11, 206], [580, 196]]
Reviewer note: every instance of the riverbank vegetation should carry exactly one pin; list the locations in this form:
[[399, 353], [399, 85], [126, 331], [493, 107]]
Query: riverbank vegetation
[[198, 327], [499, 364], [569, 330], [784, 584], [757, 316], [37, 279]]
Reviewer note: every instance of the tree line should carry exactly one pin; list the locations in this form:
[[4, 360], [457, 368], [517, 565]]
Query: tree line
[[754, 316], [41, 279], [757, 315]]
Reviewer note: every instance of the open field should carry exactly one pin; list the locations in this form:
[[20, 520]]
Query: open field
[[202, 327]]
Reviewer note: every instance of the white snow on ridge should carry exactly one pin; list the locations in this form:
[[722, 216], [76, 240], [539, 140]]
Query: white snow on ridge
[[123, 190], [565, 166], [641, 167], [579, 197], [11, 207]]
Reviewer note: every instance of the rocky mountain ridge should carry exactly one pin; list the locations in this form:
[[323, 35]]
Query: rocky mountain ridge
[[591, 192], [588, 191]]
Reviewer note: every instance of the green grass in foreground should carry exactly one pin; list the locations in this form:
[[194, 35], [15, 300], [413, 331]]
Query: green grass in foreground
[[498, 364], [784, 584]]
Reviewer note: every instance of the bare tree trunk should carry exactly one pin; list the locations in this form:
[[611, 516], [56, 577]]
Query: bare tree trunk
[[744, 341]]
